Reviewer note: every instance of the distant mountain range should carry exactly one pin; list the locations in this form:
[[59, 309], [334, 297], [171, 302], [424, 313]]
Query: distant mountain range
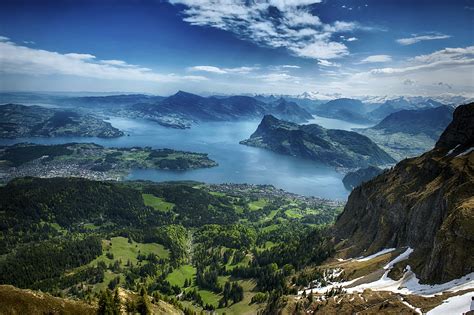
[[192, 107], [347, 109], [183, 109], [430, 121], [329, 146], [408, 133], [424, 203], [17, 121]]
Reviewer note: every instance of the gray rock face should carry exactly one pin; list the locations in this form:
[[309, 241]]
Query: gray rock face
[[460, 130], [426, 203]]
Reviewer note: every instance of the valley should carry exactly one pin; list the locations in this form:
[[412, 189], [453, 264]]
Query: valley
[[144, 234], [231, 157], [237, 229]]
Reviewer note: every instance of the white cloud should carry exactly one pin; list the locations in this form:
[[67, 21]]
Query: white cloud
[[4, 39], [273, 23], [351, 39], [241, 70], [322, 50], [291, 66], [376, 59], [80, 56], [276, 77], [326, 63], [17, 59], [445, 58], [418, 38], [217, 70], [211, 69]]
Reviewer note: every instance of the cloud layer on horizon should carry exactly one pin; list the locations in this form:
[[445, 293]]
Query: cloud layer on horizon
[[17, 59]]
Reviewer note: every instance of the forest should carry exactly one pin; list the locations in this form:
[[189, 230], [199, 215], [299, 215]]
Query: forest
[[197, 246]]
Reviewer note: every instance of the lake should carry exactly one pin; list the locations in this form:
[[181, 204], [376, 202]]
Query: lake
[[237, 163]]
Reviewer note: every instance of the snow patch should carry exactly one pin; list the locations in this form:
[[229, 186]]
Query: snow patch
[[382, 252], [415, 309], [466, 152], [398, 259], [408, 284], [452, 150], [454, 305]]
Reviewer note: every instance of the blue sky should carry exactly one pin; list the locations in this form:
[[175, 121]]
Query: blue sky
[[327, 47]]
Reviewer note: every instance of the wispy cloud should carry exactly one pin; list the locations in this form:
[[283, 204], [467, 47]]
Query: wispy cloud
[[376, 59], [290, 67], [273, 23], [277, 77], [326, 63], [19, 59], [217, 70], [415, 38], [445, 58]]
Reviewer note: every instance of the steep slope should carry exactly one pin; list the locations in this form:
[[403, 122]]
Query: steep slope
[[329, 146], [18, 301], [289, 111], [426, 203]]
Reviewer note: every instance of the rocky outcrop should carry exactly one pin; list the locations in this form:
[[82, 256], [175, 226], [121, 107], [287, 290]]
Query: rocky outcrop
[[426, 203], [333, 147], [362, 175], [460, 130]]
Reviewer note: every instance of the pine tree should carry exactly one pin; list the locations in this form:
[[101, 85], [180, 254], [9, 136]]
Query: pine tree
[[143, 306]]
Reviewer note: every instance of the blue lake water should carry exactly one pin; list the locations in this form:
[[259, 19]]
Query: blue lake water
[[237, 163]]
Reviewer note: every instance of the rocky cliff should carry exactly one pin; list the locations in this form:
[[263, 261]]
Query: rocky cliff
[[355, 178], [426, 203]]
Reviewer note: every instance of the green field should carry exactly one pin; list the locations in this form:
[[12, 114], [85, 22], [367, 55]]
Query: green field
[[121, 249], [258, 204], [157, 203], [178, 276], [294, 213]]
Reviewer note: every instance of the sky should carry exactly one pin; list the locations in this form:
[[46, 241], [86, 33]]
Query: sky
[[325, 47]]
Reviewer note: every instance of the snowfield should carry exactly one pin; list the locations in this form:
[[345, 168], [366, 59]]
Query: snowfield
[[455, 305], [408, 284]]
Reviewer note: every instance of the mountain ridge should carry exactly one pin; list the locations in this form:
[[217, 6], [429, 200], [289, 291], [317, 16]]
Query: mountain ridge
[[392, 209], [330, 146]]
